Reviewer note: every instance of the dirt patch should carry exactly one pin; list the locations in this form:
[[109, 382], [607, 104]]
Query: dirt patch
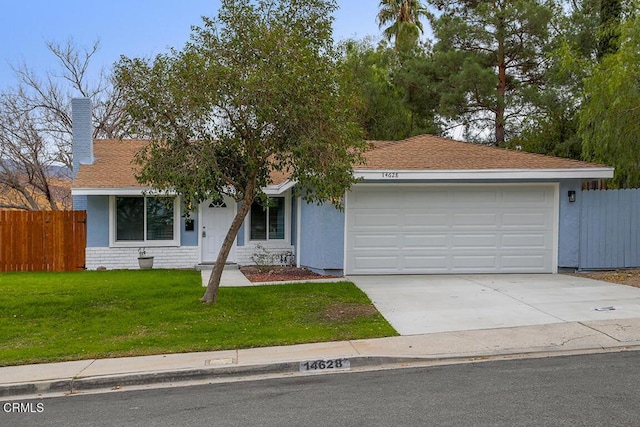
[[624, 277], [347, 311], [280, 274]]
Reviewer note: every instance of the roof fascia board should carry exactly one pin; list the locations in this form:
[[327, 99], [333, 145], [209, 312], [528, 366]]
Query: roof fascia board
[[119, 191], [270, 190], [392, 175], [273, 190]]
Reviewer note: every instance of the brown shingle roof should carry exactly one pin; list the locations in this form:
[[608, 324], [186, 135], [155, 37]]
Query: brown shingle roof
[[114, 168], [429, 152]]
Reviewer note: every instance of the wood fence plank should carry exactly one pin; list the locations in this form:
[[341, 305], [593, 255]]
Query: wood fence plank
[[42, 241]]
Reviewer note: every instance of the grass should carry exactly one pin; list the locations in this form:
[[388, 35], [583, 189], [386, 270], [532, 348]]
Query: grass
[[48, 317]]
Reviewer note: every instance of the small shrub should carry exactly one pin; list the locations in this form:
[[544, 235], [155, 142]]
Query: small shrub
[[265, 259]]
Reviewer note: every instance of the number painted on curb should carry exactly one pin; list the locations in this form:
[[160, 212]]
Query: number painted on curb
[[325, 365]]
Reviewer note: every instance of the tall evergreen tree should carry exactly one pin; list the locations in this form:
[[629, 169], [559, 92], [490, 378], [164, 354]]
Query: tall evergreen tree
[[490, 56]]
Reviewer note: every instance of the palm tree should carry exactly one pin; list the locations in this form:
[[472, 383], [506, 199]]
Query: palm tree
[[404, 19]]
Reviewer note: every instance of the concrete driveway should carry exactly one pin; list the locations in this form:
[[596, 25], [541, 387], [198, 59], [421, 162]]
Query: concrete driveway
[[427, 304]]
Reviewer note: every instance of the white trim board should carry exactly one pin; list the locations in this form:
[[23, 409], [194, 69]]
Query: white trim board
[[482, 174]]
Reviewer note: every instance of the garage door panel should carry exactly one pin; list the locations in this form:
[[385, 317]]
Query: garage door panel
[[432, 264], [450, 229], [413, 199], [479, 219], [514, 241], [470, 262], [478, 241], [518, 197], [476, 197], [424, 241], [368, 220], [525, 220], [426, 220], [525, 261], [382, 263], [379, 241]]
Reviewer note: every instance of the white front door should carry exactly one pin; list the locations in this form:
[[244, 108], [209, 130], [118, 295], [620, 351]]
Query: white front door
[[216, 218]]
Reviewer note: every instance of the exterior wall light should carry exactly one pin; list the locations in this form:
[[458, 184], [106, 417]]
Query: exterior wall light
[[572, 196]]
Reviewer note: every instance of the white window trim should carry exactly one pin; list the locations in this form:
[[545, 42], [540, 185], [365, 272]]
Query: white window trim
[[113, 243], [287, 226]]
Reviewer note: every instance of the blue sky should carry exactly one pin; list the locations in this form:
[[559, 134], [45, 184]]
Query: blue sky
[[133, 28]]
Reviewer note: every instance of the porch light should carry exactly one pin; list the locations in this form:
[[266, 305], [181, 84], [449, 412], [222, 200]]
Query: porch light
[[572, 196]]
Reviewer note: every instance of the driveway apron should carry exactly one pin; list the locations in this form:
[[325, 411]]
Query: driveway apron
[[421, 304]]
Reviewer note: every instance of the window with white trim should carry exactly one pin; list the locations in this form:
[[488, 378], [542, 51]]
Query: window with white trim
[[144, 219], [269, 223]]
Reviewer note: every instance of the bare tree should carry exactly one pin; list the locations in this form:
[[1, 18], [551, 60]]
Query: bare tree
[[36, 127]]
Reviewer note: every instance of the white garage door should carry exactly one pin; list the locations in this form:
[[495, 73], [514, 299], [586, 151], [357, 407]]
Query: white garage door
[[487, 228]]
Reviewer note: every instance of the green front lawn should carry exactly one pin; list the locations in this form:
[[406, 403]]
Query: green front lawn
[[47, 317]]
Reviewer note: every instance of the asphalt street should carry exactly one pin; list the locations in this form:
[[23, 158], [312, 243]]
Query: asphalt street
[[600, 389]]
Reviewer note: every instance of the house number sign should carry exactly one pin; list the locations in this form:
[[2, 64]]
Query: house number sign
[[390, 175], [341, 364]]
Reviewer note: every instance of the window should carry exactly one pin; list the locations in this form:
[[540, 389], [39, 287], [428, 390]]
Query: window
[[144, 219], [268, 224]]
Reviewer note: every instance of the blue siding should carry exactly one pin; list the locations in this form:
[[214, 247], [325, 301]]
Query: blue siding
[[97, 221], [294, 222], [79, 203], [569, 225], [610, 232], [322, 238], [98, 224], [188, 238]]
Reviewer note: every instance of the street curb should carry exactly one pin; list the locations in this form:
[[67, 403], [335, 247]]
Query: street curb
[[116, 381], [119, 381]]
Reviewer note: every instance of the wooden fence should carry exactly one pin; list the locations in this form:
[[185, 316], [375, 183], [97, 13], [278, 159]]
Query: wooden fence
[[42, 240], [610, 229]]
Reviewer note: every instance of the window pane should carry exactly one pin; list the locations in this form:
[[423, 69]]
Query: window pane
[[276, 218], [258, 222], [130, 218], [159, 218]]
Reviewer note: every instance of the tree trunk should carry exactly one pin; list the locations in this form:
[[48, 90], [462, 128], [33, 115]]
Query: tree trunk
[[211, 294], [502, 86]]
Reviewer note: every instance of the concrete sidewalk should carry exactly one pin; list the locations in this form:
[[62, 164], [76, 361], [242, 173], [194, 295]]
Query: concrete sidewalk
[[55, 379]]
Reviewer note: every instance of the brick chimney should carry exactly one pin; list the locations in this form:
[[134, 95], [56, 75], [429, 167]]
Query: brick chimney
[[82, 129]]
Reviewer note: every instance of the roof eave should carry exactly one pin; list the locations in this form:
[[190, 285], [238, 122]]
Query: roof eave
[[270, 190], [482, 174], [112, 191]]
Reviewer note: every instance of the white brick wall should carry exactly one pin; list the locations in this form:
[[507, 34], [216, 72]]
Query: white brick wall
[[244, 253], [127, 258]]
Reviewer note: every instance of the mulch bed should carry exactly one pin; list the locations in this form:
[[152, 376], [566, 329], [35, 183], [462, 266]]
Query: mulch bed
[[280, 274], [629, 277]]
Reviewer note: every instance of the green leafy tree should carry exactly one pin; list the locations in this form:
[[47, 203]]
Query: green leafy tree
[[490, 57], [609, 28], [402, 18], [551, 127], [388, 110], [583, 36], [256, 90], [610, 114]]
